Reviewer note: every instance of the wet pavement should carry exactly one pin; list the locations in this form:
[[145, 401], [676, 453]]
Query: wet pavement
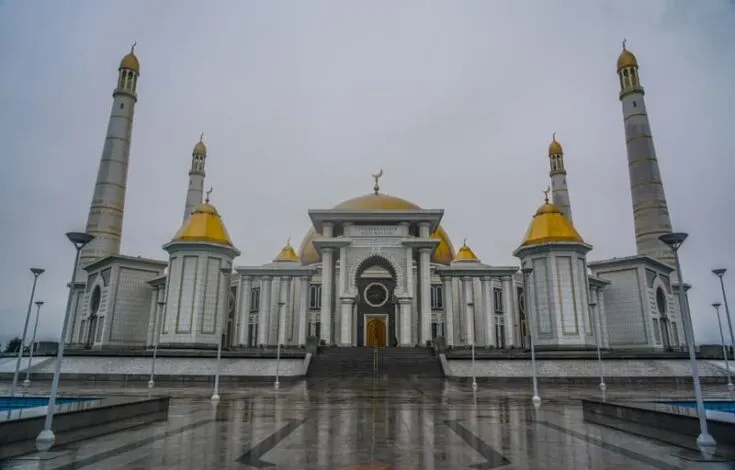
[[363, 424]]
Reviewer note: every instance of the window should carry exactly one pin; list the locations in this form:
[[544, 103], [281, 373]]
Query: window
[[661, 301], [434, 329], [499, 332], [498, 300], [122, 105], [315, 297], [254, 299], [253, 334], [437, 297], [634, 104]]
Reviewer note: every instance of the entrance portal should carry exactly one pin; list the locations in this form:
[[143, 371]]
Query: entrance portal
[[376, 332]]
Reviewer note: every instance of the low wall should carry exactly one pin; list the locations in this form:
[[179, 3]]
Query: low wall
[[582, 370]]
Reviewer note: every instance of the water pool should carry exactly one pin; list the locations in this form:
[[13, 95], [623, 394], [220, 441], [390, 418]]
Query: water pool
[[726, 406], [16, 403]]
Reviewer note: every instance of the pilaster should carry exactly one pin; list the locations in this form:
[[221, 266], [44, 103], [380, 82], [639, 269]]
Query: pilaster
[[304, 309], [345, 337], [469, 310], [448, 310], [425, 288], [283, 306], [326, 311], [489, 312], [405, 319], [509, 312], [244, 291], [265, 306]]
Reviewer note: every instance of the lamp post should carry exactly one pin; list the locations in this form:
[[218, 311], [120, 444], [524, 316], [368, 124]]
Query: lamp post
[[730, 385], [536, 399], [45, 439], [705, 441], [27, 381], [474, 335], [720, 273], [36, 272], [277, 384], [598, 340], [226, 274], [156, 337]]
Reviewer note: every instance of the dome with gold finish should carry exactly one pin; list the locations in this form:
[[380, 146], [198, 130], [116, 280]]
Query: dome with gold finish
[[204, 225], [555, 147], [287, 254], [130, 61], [444, 253], [465, 253], [626, 59], [550, 225]]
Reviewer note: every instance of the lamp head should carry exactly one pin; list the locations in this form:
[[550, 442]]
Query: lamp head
[[79, 239], [527, 270], [674, 239], [719, 272], [37, 271], [716, 305], [39, 303]]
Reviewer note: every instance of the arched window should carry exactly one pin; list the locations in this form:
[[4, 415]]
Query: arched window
[[661, 301]]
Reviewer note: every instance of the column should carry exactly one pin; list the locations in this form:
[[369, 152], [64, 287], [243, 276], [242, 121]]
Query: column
[[340, 292], [304, 309], [489, 312], [603, 319], [345, 335], [326, 312], [425, 289], [469, 311], [244, 290], [405, 315], [265, 306], [284, 297], [509, 311], [448, 310]]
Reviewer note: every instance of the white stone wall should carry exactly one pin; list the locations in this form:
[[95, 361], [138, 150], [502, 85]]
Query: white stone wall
[[625, 308], [127, 322]]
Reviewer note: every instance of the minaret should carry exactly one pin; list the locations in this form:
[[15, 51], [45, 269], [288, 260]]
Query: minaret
[[559, 191], [196, 178], [650, 212], [105, 220]]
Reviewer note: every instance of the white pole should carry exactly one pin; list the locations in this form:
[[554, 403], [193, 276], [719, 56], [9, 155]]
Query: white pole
[[27, 381], [36, 272], [225, 272], [730, 385], [536, 399], [45, 439], [277, 384], [474, 335], [720, 273], [157, 335], [598, 340]]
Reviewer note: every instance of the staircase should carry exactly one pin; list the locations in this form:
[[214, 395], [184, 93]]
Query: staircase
[[398, 363]]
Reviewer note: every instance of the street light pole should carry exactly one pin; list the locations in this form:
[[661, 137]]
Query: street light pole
[[156, 337], [36, 272], [705, 441], [474, 335], [720, 273], [536, 399], [277, 384], [226, 274], [730, 385], [45, 439], [27, 381], [598, 334]]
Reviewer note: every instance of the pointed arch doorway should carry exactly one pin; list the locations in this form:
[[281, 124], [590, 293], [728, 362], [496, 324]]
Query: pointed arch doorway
[[375, 280]]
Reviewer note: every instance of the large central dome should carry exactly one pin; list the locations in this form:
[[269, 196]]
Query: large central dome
[[444, 253]]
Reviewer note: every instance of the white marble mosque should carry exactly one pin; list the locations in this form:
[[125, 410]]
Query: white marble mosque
[[376, 270]]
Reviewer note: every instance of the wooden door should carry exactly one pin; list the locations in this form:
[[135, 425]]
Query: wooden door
[[376, 337]]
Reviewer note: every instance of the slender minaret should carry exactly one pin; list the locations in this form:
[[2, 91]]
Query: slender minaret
[[559, 191], [105, 220], [650, 212], [196, 178]]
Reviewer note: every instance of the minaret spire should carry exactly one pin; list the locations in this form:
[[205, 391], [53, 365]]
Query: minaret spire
[[105, 219], [650, 210], [558, 175], [195, 190]]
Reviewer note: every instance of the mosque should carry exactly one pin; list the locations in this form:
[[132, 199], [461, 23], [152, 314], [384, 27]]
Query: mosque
[[376, 270]]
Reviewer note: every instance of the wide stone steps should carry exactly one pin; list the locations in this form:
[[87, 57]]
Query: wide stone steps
[[363, 362]]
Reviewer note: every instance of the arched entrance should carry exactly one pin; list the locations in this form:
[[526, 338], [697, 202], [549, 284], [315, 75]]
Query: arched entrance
[[375, 280]]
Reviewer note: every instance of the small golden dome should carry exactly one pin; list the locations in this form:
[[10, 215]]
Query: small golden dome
[[200, 148], [626, 59], [555, 146], [204, 225], [465, 253], [444, 253], [130, 61], [550, 225], [287, 254]]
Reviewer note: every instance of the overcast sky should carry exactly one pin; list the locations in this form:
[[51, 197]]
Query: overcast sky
[[301, 101]]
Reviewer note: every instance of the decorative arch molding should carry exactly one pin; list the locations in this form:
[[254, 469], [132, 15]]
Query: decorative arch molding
[[364, 260]]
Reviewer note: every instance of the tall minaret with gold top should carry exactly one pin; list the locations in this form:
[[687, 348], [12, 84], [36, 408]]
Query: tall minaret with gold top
[[558, 175], [196, 178], [105, 220], [650, 211]]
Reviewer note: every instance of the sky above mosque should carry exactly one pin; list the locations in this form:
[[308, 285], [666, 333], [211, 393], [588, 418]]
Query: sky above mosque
[[301, 102]]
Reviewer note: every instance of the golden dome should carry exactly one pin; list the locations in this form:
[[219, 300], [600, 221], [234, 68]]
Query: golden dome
[[130, 61], [465, 253], [555, 147], [200, 148], [287, 254], [204, 225], [626, 59], [444, 253], [550, 225]]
